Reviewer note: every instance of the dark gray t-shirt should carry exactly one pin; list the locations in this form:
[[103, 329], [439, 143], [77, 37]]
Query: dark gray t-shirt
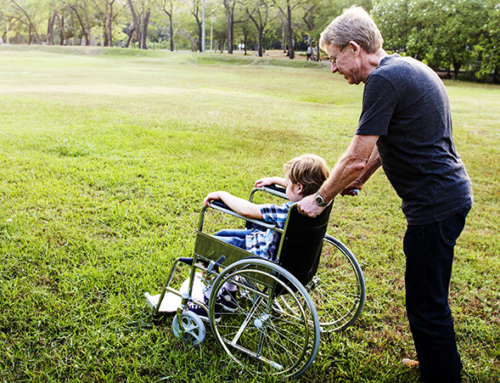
[[406, 104]]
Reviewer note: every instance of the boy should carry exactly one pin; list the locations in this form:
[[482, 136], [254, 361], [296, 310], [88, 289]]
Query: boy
[[304, 176]]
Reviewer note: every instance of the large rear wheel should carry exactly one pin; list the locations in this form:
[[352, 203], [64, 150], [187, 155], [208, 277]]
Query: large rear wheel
[[256, 330]]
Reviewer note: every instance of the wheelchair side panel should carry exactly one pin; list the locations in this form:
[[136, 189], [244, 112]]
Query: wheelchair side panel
[[210, 248]]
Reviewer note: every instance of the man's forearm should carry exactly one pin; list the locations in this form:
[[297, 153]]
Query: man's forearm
[[343, 174], [360, 160], [371, 167]]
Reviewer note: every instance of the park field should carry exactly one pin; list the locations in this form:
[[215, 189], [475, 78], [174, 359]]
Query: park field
[[105, 158]]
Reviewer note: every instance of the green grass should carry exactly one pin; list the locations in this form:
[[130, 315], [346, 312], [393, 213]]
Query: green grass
[[105, 157]]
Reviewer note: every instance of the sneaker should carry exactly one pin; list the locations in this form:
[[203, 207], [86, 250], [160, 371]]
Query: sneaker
[[227, 300], [410, 363], [200, 311]]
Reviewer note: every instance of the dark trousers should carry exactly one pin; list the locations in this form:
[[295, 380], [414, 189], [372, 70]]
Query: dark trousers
[[429, 258]]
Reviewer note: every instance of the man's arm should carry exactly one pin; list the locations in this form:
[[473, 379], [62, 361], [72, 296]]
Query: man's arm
[[371, 167], [239, 205], [349, 167]]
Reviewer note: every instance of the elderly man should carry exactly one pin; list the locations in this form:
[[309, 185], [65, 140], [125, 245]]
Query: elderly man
[[405, 127]]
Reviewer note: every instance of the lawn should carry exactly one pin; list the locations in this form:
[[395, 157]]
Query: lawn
[[105, 158]]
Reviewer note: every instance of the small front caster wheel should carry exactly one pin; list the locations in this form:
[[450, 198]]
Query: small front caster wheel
[[191, 329]]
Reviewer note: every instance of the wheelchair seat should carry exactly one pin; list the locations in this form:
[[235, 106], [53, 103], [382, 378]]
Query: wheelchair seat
[[299, 249]]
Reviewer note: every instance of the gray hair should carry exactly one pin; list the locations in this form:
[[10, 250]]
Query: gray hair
[[355, 24]]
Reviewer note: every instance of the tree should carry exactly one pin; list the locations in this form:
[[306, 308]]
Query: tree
[[489, 44], [141, 21], [229, 9], [194, 8], [167, 6], [258, 13], [83, 18], [395, 23], [107, 16], [26, 13], [247, 33], [286, 7], [443, 33]]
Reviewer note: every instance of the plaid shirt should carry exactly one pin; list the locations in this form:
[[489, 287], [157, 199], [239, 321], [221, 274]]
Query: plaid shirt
[[265, 243]]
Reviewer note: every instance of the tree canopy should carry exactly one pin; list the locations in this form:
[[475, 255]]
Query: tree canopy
[[446, 34]]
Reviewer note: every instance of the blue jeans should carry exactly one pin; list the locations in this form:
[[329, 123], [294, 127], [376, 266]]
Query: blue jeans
[[234, 237], [429, 258]]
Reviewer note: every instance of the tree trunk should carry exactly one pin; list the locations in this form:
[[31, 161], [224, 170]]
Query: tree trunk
[[290, 39], [89, 30], [229, 11], [50, 29], [105, 28], [145, 24], [130, 37], [85, 34], [261, 32], [200, 36], [137, 25], [63, 32], [283, 36], [456, 69], [110, 26], [171, 33]]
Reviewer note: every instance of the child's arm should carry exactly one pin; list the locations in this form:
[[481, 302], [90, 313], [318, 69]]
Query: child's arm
[[270, 181], [239, 205]]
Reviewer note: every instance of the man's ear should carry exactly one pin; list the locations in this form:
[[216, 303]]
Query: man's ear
[[355, 47]]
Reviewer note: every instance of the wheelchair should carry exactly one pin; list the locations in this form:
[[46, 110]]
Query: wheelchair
[[282, 307]]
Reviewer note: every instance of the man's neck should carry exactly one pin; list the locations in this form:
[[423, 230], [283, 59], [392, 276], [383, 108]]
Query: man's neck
[[372, 61]]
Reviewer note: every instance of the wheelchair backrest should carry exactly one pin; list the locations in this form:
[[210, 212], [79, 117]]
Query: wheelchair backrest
[[301, 243]]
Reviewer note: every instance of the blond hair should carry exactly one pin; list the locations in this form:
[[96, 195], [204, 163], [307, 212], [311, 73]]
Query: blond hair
[[309, 170], [355, 24]]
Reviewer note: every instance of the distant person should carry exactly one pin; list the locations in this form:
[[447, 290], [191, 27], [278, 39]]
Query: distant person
[[405, 127], [304, 176], [309, 53], [122, 44]]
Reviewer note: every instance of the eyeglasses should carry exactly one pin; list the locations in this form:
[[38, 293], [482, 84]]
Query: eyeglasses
[[333, 60]]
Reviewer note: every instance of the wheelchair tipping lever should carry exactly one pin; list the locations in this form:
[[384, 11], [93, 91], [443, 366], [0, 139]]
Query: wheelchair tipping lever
[[215, 264]]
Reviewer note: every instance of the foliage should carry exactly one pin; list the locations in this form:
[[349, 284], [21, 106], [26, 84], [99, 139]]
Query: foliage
[[489, 44], [105, 157], [443, 33]]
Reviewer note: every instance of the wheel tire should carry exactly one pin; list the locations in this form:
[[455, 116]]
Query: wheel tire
[[191, 329], [259, 333]]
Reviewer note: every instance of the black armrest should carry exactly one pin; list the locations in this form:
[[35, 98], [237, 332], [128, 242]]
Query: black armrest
[[277, 191], [277, 188], [226, 209]]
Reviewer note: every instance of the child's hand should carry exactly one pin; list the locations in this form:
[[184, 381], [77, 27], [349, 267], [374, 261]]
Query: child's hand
[[264, 181], [215, 196]]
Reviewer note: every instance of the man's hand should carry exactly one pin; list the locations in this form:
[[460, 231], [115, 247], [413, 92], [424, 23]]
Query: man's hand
[[350, 190], [309, 207]]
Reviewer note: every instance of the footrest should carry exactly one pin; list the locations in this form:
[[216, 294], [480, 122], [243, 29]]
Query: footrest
[[172, 301]]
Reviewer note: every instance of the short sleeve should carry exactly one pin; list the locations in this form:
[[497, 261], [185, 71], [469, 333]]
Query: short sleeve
[[380, 100], [275, 214]]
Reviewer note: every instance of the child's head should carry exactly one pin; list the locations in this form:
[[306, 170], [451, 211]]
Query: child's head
[[309, 171]]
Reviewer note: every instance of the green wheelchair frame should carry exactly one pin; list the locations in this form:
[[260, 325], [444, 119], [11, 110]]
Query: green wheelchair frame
[[282, 307]]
